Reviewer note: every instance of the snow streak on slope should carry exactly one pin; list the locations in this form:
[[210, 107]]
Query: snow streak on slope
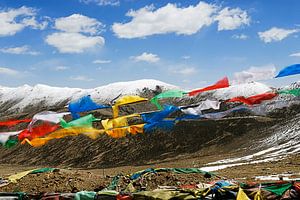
[[284, 142], [16, 99]]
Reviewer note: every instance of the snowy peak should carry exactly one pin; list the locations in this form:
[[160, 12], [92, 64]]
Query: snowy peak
[[25, 97], [41, 97], [246, 90]]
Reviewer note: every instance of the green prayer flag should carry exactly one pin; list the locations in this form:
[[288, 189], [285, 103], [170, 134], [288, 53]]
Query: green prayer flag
[[42, 170], [85, 195], [295, 92], [278, 189], [167, 94], [86, 121], [10, 143]]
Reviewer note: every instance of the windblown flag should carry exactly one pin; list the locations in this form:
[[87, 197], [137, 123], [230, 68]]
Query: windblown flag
[[37, 131], [125, 100], [165, 125], [47, 116], [121, 132], [4, 136], [167, 94], [223, 83], [290, 70], [256, 99], [295, 92], [117, 122], [219, 115], [203, 105], [159, 115], [86, 121], [135, 129], [90, 132], [156, 120], [84, 104], [241, 195], [14, 122]]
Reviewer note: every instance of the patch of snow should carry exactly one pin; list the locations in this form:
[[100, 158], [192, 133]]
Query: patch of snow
[[219, 167], [284, 142], [246, 90], [276, 177], [48, 96]]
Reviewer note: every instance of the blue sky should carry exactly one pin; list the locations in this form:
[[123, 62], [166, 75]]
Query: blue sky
[[88, 43]]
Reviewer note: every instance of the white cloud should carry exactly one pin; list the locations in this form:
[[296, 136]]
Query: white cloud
[[81, 78], [168, 19], [15, 20], [276, 34], [230, 19], [186, 57], [180, 20], [101, 61], [240, 37], [295, 55], [34, 23], [73, 42], [146, 57], [19, 50], [255, 74], [8, 71], [77, 23], [61, 68], [102, 2], [186, 71], [79, 33]]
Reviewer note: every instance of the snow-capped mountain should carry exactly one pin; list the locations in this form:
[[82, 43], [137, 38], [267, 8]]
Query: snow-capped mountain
[[246, 90], [17, 99], [24, 98]]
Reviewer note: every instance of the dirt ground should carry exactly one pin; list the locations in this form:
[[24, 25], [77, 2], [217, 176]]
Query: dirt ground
[[72, 180]]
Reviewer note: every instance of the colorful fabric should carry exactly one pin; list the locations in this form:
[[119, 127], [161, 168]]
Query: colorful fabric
[[84, 104], [165, 194], [10, 123], [219, 115], [256, 99], [159, 115], [47, 116], [90, 132], [278, 189], [167, 94], [203, 105], [125, 100], [11, 143], [289, 70], [164, 125], [135, 129], [295, 92], [14, 178], [37, 131], [117, 122], [121, 132], [86, 121], [85, 195], [117, 127], [258, 195], [223, 83], [4, 136], [241, 195]]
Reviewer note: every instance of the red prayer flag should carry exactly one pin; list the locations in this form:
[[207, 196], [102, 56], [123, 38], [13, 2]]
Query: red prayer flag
[[256, 99], [14, 122], [223, 83], [37, 131]]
